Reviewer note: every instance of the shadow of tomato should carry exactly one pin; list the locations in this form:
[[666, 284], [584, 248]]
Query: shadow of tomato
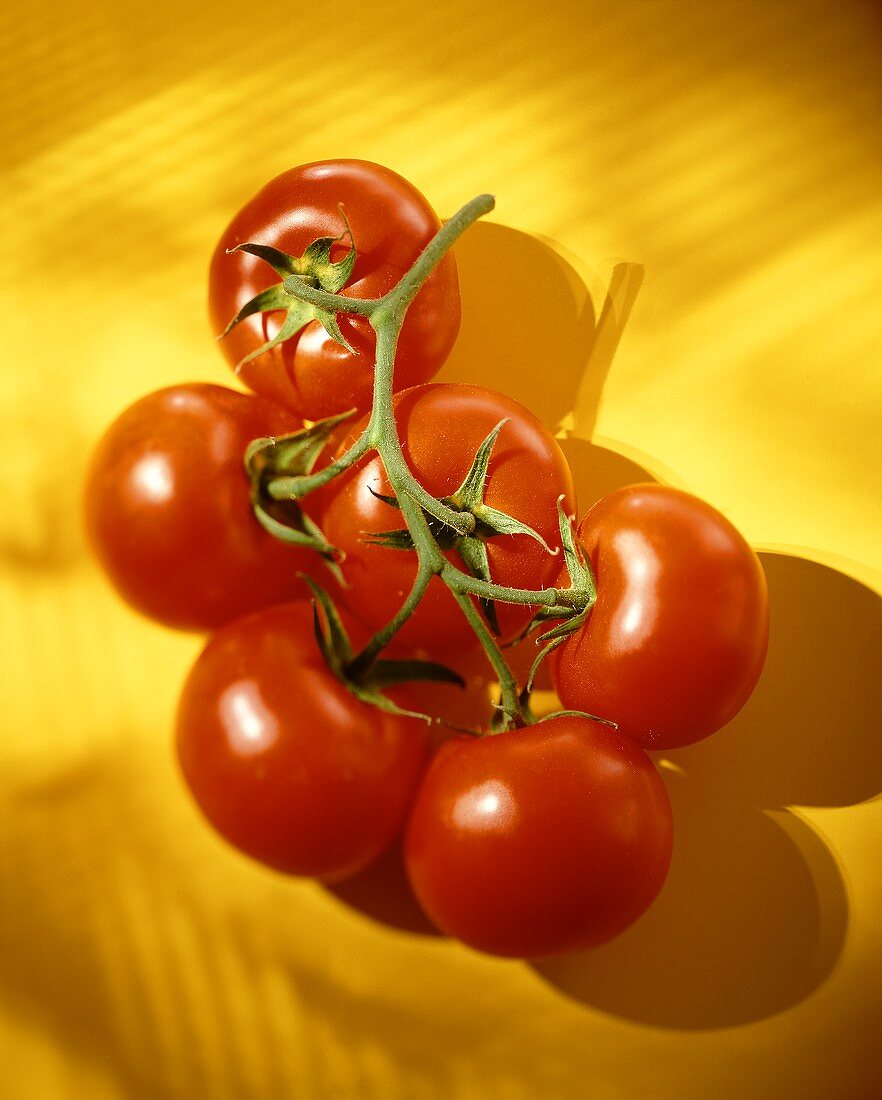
[[382, 892], [754, 914]]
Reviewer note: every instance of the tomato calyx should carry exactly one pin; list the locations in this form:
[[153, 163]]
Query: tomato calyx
[[367, 679], [271, 459], [573, 616], [488, 523], [582, 592], [315, 269]]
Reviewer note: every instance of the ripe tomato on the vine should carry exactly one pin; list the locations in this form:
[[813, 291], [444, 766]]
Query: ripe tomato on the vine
[[168, 509], [541, 840], [677, 638], [441, 426], [283, 760], [391, 223]]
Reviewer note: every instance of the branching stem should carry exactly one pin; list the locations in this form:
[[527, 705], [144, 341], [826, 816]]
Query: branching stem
[[386, 316]]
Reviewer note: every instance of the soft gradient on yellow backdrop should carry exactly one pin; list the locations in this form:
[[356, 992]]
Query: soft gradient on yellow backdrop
[[682, 275]]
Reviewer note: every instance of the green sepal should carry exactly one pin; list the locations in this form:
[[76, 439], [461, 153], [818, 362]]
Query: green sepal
[[542, 614], [490, 521], [293, 454], [273, 298], [577, 714], [574, 621], [393, 502], [470, 494], [330, 633], [283, 264], [540, 657], [391, 540], [554, 638], [316, 262], [298, 529], [330, 324], [377, 699], [298, 317], [336, 649], [386, 673], [313, 267], [469, 497], [447, 537], [438, 523], [401, 539], [273, 457], [474, 555], [581, 581], [578, 567]]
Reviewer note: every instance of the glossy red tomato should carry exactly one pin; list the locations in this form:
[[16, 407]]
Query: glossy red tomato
[[168, 510], [540, 840], [391, 223], [677, 639], [441, 427], [283, 760]]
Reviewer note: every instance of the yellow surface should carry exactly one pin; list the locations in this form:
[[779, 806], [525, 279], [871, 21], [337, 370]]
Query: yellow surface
[[717, 167]]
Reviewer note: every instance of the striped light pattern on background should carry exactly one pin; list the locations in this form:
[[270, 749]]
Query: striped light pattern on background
[[682, 275]]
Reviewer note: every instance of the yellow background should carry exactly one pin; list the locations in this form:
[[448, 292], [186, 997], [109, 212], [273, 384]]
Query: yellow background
[[683, 273]]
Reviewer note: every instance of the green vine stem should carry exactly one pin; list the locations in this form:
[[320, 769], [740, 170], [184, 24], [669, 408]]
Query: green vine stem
[[510, 699], [386, 316], [428, 566]]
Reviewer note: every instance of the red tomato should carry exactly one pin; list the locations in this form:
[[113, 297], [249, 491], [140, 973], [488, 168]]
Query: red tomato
[[677, 638], [441, 428], [283, 760], [168, 508], [541, 840], [391, 224], [382, 890]]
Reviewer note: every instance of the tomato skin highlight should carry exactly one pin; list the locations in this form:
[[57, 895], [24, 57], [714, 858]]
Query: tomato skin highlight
[[541, 840], [677, 639], [283, 760], [441, 426], [391, 223], [168, 509]]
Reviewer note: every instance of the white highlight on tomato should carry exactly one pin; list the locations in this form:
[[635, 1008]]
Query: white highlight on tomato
[[639, 604], [488, 806], [155, 478], [250, 726]]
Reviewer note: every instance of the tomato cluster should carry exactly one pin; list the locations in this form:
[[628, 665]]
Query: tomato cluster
[[441, 426], [302, 747]]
